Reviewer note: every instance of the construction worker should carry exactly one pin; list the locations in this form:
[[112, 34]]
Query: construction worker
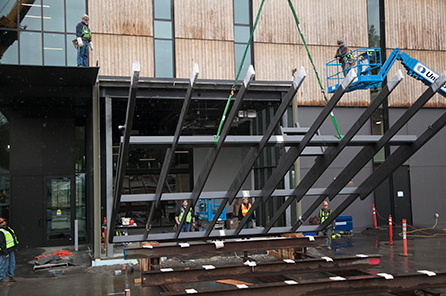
[[83, 37], [243, 210], [179, 214], [8, 244], [324, 213], [344, 56]]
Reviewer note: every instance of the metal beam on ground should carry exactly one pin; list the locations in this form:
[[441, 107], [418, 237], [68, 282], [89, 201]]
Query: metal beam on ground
[[354, 285], [230, 246], [212, 273]]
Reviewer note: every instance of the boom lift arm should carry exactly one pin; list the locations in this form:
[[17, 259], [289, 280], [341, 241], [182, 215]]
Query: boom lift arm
[[368, 59]]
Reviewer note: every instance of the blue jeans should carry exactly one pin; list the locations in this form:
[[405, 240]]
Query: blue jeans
[[248, 224], [185, 228], [82, 55], [7, 266]]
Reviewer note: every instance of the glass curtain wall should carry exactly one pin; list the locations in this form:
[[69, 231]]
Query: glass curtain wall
[[39, 32]]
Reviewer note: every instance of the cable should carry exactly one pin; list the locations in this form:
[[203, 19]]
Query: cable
[[238, 74], [314, 67]]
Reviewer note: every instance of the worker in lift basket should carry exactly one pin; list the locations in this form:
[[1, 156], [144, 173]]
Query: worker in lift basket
[[344, 56], [324, 213]]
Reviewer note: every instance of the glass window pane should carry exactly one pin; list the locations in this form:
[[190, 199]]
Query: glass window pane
[[373, 21], [163, 29], [4, 144], [11, 53], [54, 49], [30, 48], [71, 51], [239, 51], [6, 8], [33, 18], [162, 9], [58, 208], [241, 34], [163, 59], [53, 15], [241, 12], [75, 10]]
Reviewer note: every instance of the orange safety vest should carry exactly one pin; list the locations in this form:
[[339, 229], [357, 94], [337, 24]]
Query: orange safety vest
[[245, 209]]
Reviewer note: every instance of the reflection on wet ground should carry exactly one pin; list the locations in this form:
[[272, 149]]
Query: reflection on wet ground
[[82, 279]]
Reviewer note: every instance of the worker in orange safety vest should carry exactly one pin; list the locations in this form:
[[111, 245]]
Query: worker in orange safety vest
[[244, 209]]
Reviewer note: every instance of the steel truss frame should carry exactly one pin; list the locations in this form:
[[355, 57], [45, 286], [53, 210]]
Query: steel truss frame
[[308, 144]]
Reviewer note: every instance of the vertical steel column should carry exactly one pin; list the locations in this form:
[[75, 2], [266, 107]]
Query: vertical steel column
[[171, 151], [124, 147], [96, 173], [254, 152], [214, 151], [287, 160]]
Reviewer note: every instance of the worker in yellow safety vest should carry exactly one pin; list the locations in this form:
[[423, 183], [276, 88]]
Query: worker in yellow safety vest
[[324, 213], [8, 244], [179, 214], [243, 210]]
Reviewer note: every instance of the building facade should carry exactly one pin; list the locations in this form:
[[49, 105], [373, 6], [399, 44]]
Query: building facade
[[168, 37]]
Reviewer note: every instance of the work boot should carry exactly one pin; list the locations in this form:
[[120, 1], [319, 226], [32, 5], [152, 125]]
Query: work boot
[[328, 248], [4, 284], [13, 280]]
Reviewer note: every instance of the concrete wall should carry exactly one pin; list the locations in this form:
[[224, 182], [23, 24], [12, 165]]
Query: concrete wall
[[427, 168], [226, 167]]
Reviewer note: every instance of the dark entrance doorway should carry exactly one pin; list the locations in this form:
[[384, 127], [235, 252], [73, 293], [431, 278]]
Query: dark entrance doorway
[[393, 197]]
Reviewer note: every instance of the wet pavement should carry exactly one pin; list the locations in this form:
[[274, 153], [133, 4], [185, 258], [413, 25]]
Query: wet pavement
[[80, 278]]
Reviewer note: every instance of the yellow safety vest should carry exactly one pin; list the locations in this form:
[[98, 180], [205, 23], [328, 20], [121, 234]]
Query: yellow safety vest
[[245, 209], [323, 215], [8, 237], [188, 217]]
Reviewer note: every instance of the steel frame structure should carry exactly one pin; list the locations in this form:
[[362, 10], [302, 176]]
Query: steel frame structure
[[297, 145]]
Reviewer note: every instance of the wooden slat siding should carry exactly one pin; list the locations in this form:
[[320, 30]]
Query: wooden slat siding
[[204, 19], [116, 54], [415, 24], [215, 59], [274, 62], [410, 89], [121, 17], [322, 22]]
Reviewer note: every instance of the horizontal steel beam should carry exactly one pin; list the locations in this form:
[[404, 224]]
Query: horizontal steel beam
[[274, 141], [207, 248], [215, 234], [143, 197], [355, 285], [211, 273]]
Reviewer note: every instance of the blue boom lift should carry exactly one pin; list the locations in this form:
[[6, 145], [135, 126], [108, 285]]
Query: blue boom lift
[[367, 63]]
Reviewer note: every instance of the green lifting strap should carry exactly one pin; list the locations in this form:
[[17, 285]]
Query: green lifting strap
[[236, 78], [314, 68]]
